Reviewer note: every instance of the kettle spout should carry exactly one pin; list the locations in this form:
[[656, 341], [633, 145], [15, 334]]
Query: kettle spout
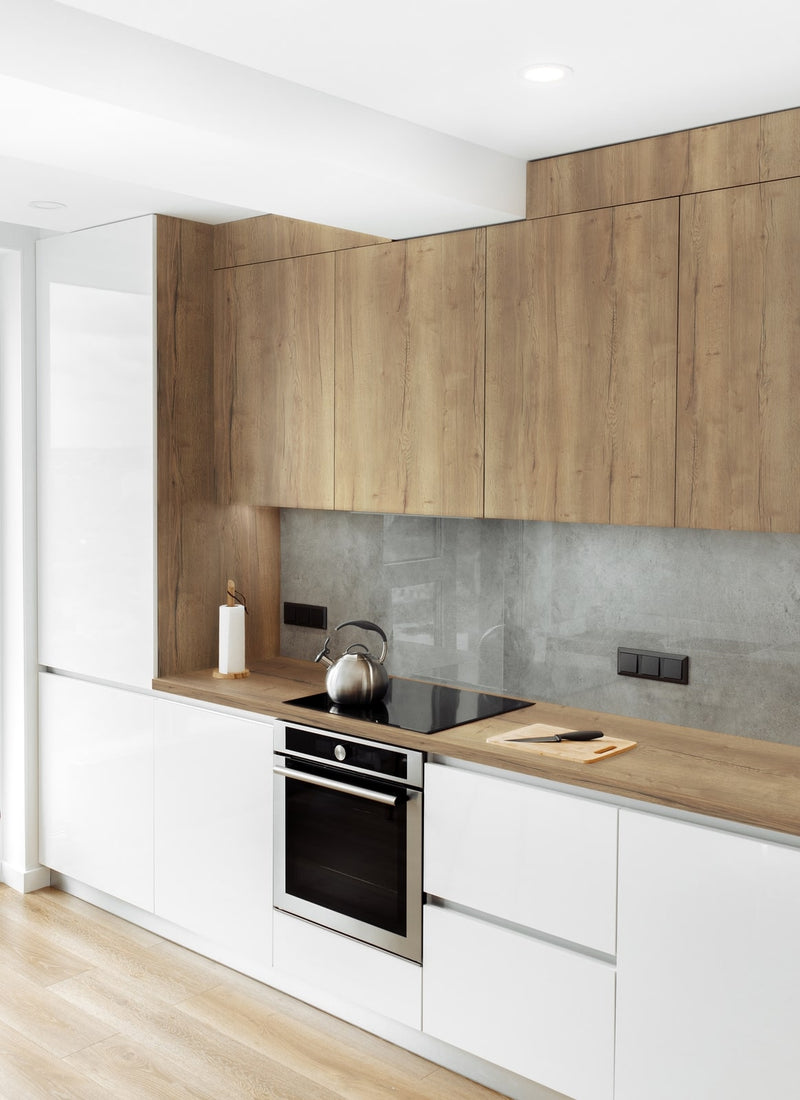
[[323, 654]]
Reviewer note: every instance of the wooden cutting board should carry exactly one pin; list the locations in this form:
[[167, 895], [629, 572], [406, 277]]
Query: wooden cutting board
[[583, 752]]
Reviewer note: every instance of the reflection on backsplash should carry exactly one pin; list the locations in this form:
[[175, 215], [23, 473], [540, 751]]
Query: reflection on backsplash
[[538, 610]]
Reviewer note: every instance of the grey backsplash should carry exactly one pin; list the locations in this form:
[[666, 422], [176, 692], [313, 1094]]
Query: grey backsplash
[[538, 610]]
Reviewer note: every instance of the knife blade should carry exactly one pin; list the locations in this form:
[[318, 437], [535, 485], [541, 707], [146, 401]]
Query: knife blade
[[574, 735]]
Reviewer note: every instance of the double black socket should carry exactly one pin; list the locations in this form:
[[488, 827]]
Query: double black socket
[[305, 614]]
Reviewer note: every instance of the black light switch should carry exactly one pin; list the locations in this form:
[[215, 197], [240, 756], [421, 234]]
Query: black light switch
[[675, 669], [649, 665], [627, 662]]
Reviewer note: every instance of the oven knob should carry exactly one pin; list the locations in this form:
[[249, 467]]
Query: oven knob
[[340, 752]]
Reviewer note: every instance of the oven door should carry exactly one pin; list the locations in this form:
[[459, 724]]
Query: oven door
[[348, 853]]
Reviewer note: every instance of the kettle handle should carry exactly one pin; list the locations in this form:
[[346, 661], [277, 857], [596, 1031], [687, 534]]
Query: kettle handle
[[364, 625]]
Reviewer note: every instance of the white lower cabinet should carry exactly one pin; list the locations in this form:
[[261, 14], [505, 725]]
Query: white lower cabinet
[[213, 827], [537, 1009], [96, 786], [708, 966], [520, 929]]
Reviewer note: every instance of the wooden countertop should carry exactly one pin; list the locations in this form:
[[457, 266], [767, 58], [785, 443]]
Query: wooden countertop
[[717, 774]]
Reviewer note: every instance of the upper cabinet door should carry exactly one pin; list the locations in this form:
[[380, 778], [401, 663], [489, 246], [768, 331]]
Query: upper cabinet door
[[738, 404], [274, 382], [96, 370], [409, 376], [580, 366]]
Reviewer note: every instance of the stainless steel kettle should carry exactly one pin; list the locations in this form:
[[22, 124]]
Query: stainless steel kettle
[[357, 678]]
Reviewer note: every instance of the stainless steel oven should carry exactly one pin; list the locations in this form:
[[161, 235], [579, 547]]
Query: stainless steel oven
[[348, 836]]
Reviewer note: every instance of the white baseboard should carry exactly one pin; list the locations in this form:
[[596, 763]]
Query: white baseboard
[[24, 881]]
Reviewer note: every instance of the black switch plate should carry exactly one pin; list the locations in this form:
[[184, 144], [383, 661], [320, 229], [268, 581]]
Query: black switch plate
[[648, 664], [305, 614]]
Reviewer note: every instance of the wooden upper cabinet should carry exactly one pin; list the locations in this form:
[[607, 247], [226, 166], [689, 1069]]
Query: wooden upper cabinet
[[580, 367], [274, 382], [727, 154], [738, 460], [409, 376]]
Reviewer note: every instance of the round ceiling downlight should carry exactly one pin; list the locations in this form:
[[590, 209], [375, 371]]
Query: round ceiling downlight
[[547, 72], [47, 204]]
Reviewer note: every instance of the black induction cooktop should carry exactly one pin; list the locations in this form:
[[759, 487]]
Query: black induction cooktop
[[418, 706]]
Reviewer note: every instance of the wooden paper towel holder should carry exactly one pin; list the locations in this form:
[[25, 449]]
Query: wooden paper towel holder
[[232, 598]]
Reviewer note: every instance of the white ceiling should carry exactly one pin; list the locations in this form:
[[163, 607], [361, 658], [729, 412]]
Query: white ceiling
[[391, 119]]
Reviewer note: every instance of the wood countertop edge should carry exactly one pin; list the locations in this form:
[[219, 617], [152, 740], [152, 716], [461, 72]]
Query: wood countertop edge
[[716, 775]]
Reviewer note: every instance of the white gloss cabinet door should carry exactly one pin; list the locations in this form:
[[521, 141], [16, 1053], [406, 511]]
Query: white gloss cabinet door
[[708, 967], [538, 858], [96, 372], [213, 827], [96, 786], [537, 1009]]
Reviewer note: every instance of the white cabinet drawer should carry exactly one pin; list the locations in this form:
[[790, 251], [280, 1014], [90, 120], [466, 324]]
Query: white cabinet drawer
[[536, 1009], [332, 965], [538, 858]]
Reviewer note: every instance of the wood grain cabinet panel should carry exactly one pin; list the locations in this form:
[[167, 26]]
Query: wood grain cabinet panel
[[580, 368], [272, 237], [738, 452], [274, 382], [727, 154], [409, 376]]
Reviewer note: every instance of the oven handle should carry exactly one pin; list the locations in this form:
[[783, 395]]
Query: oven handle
[[335, 785]]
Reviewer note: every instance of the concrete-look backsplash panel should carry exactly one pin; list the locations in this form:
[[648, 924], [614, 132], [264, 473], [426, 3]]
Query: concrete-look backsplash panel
[[538, 609]]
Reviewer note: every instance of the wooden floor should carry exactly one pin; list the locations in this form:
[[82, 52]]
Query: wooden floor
[[92, 1007]]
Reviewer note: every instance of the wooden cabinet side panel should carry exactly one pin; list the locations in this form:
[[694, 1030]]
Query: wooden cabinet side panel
[[188, 555], [409, 376], [580, 373], [738, 457], [275, 382]]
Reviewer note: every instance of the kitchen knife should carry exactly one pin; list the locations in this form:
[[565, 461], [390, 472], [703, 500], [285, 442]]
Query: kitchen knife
[[576, 735]]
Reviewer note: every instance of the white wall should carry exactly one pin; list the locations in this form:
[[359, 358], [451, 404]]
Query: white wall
[[19, 866]]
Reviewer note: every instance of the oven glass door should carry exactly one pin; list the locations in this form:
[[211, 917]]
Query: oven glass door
[[347, 861]]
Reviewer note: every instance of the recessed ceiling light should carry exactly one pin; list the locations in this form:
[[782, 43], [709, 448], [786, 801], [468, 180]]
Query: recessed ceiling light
[[47, 204], [547, 72]]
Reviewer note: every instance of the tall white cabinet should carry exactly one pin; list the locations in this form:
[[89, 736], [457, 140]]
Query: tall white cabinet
[[96, 397], [708, 971]]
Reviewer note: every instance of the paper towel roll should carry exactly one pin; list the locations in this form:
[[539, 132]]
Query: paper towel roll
[[231, 639]]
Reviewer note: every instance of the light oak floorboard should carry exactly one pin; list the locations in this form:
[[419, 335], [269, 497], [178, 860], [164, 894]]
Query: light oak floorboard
[[30, 1072], [36, 1013], [91, 1007], [59, 910]]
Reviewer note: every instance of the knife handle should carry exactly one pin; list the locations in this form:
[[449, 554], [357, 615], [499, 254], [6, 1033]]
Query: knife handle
[[581, 735]]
